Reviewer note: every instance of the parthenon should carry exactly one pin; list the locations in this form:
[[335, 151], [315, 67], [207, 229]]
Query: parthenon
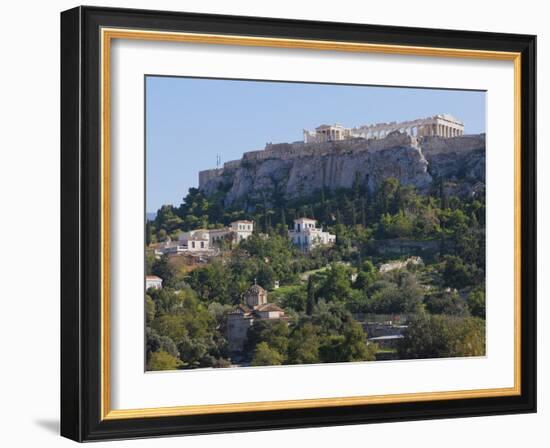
[[443, 125]]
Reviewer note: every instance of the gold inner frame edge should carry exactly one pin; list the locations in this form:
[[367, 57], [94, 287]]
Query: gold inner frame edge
[[107, 35]]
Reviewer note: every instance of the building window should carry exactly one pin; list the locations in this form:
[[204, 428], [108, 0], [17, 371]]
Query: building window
[[202, 244], [193, 244]]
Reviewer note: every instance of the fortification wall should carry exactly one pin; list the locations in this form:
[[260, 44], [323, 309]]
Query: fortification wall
[[207, 175], [232, 164], [286, 151], [464, 143]]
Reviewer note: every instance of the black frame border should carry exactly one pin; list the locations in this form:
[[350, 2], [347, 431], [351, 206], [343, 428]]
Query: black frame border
[[81, 223]]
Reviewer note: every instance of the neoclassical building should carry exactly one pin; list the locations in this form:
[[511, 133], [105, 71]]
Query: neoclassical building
[[306, 235], [256, 307], [442, 125], [202, 241]]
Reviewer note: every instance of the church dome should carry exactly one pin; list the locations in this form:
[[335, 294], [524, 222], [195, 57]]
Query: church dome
[[255, 296], [255, 289]]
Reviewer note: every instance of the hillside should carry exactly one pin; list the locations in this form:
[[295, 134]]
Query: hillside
[[296, 170]]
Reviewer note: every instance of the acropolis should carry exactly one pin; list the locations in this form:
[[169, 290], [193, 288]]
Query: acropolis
[[326, 139], [443, 125]]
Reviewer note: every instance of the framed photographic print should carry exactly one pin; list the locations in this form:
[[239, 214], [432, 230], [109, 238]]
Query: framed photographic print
[[272, 223]]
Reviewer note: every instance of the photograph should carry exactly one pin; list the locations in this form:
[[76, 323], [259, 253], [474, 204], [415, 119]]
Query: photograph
[[289, 221], [292, 223]]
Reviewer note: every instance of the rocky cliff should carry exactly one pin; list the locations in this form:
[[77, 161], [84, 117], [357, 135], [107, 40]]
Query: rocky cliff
[[298, 169]]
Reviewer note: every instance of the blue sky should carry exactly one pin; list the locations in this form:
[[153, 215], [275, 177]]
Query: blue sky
[[190, 121]]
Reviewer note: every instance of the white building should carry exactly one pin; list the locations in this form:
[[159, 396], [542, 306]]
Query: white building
[[218, 235], [242, 229], [306, 235], [152, 281], [202, 241], [195, 240], [256, 307]]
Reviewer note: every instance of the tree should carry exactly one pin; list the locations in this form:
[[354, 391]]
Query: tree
[[162, 269], [470, 340], [274, 333], [303, 347], [310, 303], [150, 310], [162, 360], [355, 339], [366, 276], [411, 292], [457, 274], [148, 233], [386, 298], [350, 346], [399, 225], [149, 261], [386, 196], [441, 336], [212, 283], [337, 284], [294, 297], [447, 302], [330, 318], [162, 235], [476, 302], [266, 356], [190, 325]]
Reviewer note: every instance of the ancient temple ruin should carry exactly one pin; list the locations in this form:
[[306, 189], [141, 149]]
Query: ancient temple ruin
[[443, 125]]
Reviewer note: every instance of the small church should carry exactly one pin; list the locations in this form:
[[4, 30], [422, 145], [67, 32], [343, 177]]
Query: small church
[[255, 307]]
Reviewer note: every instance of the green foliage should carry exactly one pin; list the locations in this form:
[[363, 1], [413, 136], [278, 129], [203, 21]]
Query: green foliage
[[162, 269], [304, 345], [191, 326], [274, 333], [156, 342], [162, 360], [336, 284], [293, 296], [213, 283], [311, 296], [321, 289], [366, 276], [447, 302], [400, 225], [346, 347], [149, 262], [457, 274], [150, 309], [476, 302], [264, 355], [437, 336]]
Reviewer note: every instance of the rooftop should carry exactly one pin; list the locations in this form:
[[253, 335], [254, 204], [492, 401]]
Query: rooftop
[[268, 307]]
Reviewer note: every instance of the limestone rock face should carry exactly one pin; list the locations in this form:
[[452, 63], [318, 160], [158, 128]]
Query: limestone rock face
[[300, 171], [309, 174], [459, 157]]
